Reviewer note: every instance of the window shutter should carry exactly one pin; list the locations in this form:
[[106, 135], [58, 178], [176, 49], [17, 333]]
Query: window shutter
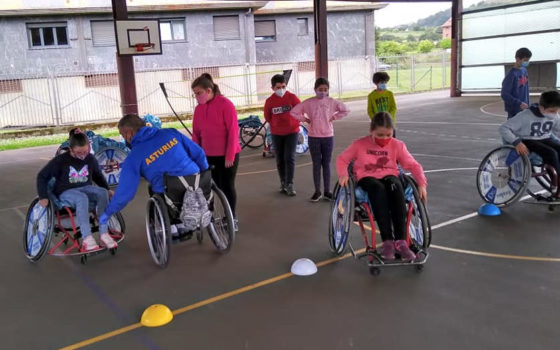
[[226, 27], [103, 33], [265, 28]]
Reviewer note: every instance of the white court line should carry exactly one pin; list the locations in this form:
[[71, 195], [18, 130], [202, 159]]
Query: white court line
[[20, 214], [490, 113], [14, 208], [450, 169], [438, 156]]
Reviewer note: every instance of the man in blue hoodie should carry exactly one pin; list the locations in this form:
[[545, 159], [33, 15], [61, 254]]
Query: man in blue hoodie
[[515, 86], [155, 152]]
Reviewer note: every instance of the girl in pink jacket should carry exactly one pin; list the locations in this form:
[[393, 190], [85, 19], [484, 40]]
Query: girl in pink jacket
[[375, 160], [320, 112]]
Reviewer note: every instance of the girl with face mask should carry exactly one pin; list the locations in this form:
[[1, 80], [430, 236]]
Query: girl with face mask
[[320, 112], [375, 167], [216, 131], [74, 173]]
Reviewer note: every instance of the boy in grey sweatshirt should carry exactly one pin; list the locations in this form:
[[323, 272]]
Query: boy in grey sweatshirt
[[537, 129]]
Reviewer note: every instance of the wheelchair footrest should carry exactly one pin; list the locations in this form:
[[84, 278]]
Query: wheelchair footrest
[[421, 258]]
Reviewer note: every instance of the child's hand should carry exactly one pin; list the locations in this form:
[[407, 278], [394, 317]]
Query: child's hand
[[343, 180], [423, 193], [111, 194], [524, 105], [103, 219], [43, 202], [522, 149], [228, 164], [307, 120]]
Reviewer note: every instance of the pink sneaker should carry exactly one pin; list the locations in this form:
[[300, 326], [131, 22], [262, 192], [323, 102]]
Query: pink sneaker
[[89, 244], [108, 241], [388, 250], [403, 250]]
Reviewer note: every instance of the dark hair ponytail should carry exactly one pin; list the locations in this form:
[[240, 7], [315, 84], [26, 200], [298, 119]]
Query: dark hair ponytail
[[381, 119], [205, 81], [77, 138]]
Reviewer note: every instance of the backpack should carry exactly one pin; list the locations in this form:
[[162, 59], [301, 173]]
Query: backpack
[[194, 212]]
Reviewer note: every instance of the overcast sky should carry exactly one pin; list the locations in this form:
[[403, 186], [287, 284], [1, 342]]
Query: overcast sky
[[405, 13]]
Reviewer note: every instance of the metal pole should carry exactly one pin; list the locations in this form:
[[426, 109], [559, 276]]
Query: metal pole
[[321, 52], [412, 82], [456, 7], [443, 70], [125, 67]]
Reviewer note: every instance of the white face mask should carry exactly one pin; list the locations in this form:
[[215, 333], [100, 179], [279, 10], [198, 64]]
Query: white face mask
[[551, 115], [280, 92]]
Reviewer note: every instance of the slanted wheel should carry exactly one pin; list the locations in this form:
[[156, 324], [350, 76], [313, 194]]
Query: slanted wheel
[[251, 136], [342, 214], [221, 229], [83, 259], [503, 176], [110, 160], [157, 230], [419, 228], [38, 231], [419, 268], [374, 271]]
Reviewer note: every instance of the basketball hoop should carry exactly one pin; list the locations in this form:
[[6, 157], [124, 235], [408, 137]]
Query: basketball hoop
[[141, 47]]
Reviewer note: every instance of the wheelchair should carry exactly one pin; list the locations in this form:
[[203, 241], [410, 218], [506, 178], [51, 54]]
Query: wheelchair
[[162, 211], [504, 176], [53, 230], [351, 204]]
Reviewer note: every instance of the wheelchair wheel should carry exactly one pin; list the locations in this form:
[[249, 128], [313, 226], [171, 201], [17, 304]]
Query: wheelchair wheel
[[110, 160], [544, 180], [419, 228], [38, 231], [221, 229], [251, 136], [342, 215], [503, 176], [117, 226], [158, 231]]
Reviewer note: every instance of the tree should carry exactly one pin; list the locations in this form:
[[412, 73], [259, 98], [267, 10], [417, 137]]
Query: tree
[[388, 37], [425, 46], [389, 48], [445, 43], [410, 38]]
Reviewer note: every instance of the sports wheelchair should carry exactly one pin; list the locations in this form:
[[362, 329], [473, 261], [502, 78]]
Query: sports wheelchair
[[504, 175], [49, 229], [351, 204], [163, 210]]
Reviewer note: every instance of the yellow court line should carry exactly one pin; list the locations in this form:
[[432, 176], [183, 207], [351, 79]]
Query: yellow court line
[[271, 170], [494, 255], [102, 337]]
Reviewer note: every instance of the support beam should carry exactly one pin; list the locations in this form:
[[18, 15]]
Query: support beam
[[125, 67], [456, 9], [321, 49]]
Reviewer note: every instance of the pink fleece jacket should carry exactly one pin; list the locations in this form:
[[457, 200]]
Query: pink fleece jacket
[[372, 160], [321, 112], [215, 128]]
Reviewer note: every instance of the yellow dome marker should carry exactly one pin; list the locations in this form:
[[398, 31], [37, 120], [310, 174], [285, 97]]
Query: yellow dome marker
[[156, 315]]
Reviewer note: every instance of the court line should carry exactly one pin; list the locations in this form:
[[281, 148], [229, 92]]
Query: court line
[[494, 255], [15, 208], [439, 156], [482, 109], [450, 169]]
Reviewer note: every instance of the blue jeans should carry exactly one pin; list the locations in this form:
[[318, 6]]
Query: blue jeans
[[79, 199]]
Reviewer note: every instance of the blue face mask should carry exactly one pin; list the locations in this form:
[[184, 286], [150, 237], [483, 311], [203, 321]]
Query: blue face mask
[[382, 86], [524, 64]]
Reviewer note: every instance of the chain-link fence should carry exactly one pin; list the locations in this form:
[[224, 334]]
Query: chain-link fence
[[57, 97]]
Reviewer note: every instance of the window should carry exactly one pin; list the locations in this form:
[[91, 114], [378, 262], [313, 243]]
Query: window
[[265, 31], [226, 28], [101, 80], [103, 33], [193, 73], [44, 35], [303, 27], [10, 86], [172, 30]]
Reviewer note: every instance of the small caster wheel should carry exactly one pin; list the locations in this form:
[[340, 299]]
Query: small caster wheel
[[374, 271], [113, 251], [199, 236], [419, 268], [83, 259]]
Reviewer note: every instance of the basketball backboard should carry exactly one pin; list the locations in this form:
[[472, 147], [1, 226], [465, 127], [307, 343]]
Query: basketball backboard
[[138, 37]]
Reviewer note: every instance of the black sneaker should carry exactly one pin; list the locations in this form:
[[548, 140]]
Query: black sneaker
[[283, 188], [290, 190], [316, 197], [328, 196]]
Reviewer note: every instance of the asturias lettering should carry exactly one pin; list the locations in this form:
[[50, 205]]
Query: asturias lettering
[[154, 156]]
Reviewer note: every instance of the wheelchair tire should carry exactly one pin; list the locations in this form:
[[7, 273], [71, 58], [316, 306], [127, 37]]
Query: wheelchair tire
[[110, 160], [342, 217], [503, 176], [116, 223], [158, 230], [38, 231], [221, 229], [251, 136], [419, 227]]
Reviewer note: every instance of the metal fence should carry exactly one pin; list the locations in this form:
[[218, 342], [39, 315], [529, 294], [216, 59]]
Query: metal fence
[[58, 96]]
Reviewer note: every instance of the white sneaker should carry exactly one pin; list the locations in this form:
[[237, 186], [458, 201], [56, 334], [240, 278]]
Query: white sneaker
[[174, 231], [108, 241], [89, 244]]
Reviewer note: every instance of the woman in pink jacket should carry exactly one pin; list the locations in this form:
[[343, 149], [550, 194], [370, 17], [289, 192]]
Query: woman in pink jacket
[[375, 160], [320, 112], [216, 130]]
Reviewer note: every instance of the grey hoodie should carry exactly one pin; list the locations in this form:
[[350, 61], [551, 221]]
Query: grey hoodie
[[530, 124]]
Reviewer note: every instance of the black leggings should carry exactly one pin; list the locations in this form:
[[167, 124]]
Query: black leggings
[[387, 199], [225, 177], [285, 151], [547, 149]]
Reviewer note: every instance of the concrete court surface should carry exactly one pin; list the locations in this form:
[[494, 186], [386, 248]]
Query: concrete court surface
[[490, 283]]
